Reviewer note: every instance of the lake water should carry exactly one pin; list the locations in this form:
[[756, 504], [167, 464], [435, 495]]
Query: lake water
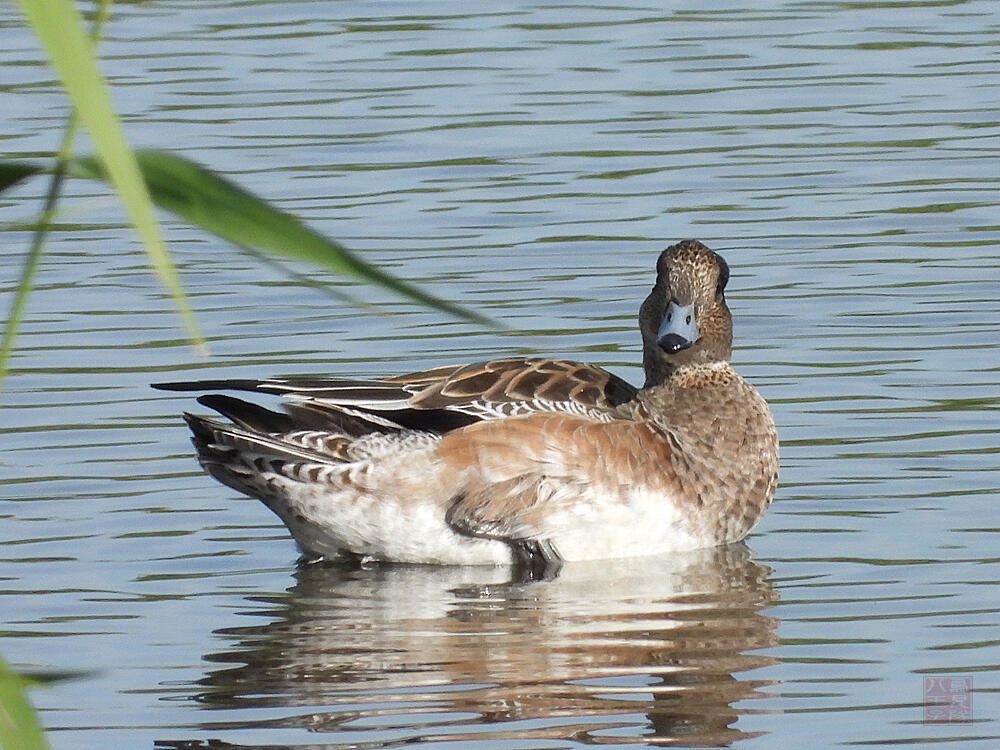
[[529, 161]]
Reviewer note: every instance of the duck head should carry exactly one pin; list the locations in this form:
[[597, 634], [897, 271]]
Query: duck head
[[684, 320]]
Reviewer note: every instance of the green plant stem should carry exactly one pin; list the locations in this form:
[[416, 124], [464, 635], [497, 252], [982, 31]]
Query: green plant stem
[[63, 158], [19, 727]]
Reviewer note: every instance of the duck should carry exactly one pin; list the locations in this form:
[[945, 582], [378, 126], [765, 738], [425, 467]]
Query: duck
[[524, 461]]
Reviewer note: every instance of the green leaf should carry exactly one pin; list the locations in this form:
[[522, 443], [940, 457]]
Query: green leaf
[[19, 729], [13, 172], [57, 24], [223, 208]]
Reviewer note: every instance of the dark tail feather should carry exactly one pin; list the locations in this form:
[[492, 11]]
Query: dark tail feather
[[247, 415], [364, 393], [210, 385], [219, 459], [349, 407], [221, 442], [305, 416], [205, 434]]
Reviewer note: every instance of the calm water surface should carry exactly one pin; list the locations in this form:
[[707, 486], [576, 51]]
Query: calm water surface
[[529, 161]]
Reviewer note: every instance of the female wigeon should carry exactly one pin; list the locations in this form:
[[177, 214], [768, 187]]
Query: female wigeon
[[530, 461]]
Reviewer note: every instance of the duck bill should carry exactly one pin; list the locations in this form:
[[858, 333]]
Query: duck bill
[[678, 329]]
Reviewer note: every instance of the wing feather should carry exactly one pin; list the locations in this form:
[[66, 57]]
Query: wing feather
[[443, 398]]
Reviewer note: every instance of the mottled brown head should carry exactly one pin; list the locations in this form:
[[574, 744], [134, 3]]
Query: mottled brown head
[[684, 320]]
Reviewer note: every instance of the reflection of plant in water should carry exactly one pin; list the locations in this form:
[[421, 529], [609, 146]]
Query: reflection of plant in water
[[645, 647]]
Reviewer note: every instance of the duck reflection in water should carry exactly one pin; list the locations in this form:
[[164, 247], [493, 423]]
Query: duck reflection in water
[[630, 650]]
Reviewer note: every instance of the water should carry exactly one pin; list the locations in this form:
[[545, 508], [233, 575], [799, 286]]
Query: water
[[529, 161]]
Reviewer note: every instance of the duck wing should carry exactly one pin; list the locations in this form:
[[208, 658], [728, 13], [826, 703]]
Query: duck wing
[[442, 398]]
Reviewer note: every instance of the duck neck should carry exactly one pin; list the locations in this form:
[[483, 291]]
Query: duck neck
[[661, 370]]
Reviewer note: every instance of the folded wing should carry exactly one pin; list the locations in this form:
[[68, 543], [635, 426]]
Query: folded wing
[[440, 399]]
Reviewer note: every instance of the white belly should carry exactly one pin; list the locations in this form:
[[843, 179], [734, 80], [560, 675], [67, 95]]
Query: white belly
[[638, 525]]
